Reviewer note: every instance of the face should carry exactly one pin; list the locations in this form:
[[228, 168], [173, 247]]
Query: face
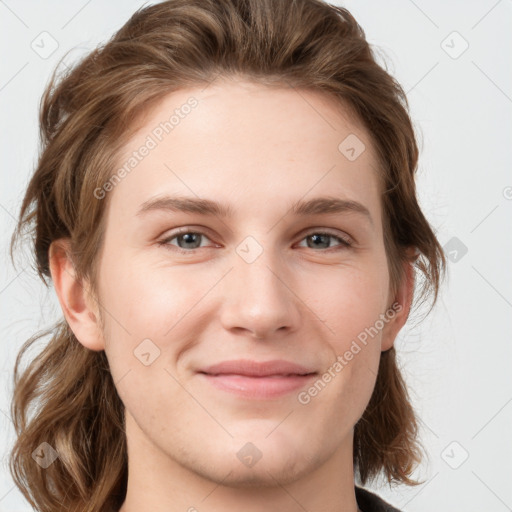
[[271, 274]]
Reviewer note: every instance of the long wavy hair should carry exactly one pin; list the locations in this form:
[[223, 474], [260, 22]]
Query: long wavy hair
[[66, 396]]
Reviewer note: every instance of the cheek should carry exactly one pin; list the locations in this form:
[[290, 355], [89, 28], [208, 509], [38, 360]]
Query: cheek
[[150, 302], [149, 312], [148, 299], [355, 299]]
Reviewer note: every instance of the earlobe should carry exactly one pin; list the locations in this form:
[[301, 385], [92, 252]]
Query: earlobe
[[397, 316], [78, 305]]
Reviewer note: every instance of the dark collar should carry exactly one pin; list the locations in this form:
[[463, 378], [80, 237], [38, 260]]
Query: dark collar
[[369, 502]]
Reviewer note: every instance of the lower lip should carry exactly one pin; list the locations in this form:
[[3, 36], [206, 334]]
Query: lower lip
[[258, 387]]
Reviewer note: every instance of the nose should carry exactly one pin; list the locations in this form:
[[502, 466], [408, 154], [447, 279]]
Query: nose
[[260, 299]]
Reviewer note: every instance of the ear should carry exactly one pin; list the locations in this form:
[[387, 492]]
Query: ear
[[397, 316], [78, 304]]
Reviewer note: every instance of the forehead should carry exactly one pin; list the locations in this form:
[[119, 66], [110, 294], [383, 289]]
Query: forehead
[[247, 144]]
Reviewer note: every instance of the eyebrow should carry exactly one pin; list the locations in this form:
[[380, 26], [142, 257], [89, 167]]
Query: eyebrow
[[317, 206]]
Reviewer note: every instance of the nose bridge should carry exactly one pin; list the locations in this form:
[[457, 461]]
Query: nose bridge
[[258, 297]]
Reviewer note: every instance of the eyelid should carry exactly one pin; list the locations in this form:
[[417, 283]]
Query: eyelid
[[327, 231], [180, 231]]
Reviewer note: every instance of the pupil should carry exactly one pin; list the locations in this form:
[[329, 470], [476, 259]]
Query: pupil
[[188, 238], [316, 237]]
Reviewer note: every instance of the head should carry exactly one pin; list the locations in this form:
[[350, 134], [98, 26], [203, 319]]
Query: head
[[259, 106]]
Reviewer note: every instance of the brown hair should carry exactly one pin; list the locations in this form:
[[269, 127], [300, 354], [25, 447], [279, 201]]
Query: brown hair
[[90, 111]]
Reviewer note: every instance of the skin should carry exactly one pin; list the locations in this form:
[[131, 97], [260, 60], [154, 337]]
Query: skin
[[257, 149]]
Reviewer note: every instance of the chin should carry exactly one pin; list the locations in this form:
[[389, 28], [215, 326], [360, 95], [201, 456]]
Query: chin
[[264, 473]]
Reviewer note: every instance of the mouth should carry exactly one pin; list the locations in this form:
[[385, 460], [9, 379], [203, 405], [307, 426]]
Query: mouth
[[257, 380]]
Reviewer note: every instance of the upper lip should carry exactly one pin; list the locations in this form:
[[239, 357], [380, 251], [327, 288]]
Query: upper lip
[[257, 368]]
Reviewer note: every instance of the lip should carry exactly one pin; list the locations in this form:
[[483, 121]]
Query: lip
[[257, 380], [252, 368]]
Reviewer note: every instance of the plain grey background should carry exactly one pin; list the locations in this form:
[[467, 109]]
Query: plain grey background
[[453, 59]]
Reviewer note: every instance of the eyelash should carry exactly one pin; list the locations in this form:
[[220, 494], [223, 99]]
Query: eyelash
[[345, 242]]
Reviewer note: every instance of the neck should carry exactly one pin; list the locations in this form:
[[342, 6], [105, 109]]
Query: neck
[[157, 482]]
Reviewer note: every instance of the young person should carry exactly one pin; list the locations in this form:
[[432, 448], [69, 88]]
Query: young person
[[225, 204]]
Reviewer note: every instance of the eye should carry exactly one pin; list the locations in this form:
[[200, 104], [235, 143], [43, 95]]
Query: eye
[[186, 241], [320, 240]]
